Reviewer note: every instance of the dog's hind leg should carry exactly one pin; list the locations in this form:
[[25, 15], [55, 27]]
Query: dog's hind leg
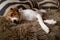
[[43, 26]]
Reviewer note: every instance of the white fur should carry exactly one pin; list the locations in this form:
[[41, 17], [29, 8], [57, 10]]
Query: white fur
[[50, 21], [42, 10], [31, 15], [14, 18]]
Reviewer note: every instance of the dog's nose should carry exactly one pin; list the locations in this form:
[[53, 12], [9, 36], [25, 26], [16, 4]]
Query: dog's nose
[[15, 21]]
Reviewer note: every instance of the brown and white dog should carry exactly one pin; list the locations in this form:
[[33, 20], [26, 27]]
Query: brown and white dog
[[14, 15]]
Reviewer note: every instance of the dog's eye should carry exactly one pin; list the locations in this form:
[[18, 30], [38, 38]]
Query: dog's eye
[[13, 14]]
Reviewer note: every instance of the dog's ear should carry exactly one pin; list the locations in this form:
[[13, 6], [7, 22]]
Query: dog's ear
[[15, 8], [11, 8]]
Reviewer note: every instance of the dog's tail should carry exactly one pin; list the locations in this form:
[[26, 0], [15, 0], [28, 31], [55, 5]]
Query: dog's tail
[[43, 26]]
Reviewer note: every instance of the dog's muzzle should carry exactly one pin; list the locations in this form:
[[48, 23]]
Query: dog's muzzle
[[15, 20]]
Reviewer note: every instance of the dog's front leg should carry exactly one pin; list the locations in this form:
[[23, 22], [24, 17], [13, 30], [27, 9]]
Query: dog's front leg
[[51, 21]]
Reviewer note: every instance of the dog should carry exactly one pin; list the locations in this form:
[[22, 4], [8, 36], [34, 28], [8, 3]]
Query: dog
[[15, 16]]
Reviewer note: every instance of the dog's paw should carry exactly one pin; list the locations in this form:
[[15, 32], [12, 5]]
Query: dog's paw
[[46, 29], [50, 21]]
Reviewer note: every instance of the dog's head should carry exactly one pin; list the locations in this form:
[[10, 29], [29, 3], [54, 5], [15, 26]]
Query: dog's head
[[13, 15]]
